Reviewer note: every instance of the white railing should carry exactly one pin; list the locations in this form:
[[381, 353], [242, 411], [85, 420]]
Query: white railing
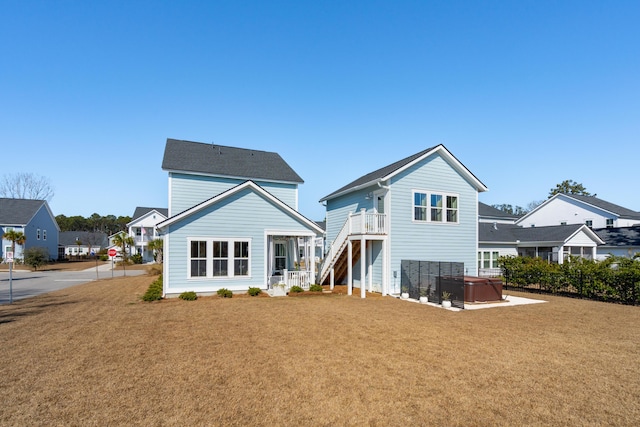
[[288, 279], [297, 278], [358, 223]]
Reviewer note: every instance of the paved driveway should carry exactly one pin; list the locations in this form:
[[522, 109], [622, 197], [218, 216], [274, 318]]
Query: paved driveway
[[27, 284]]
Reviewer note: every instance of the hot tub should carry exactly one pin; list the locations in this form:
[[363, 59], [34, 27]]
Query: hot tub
[[482, 289]]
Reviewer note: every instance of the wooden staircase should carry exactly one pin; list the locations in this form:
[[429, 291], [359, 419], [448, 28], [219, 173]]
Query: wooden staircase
[[341, 265]]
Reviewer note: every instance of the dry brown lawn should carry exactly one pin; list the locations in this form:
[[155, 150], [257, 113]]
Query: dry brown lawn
[[95, 354]]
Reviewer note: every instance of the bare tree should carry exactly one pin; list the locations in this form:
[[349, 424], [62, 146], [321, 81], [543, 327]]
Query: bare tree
[[26, 185]]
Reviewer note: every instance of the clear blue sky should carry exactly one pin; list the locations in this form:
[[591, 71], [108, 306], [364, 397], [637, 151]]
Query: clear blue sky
[[525, 94]]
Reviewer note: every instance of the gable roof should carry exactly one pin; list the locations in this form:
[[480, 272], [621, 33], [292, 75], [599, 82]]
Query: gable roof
[[622, 212], [510, 233], [389, 171], [69, 238], [219, 160], [620, 236], [612, 208], [247, 184], [140, 211], [487, 211], [18, 212]]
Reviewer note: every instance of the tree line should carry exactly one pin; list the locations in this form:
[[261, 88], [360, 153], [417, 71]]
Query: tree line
[[108, 224], [568, 186]]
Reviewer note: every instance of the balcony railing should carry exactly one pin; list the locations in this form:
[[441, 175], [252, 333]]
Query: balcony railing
[[363, 222]]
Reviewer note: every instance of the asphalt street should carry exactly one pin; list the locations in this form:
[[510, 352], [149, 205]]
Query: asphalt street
[[27, 284]]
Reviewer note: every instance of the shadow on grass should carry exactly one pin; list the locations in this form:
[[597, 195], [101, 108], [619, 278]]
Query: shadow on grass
[[30, 307]]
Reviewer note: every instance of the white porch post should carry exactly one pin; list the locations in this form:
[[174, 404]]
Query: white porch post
[[312, 258], [349, 268], [370, 266], [331, 279], [385, 272], [285, 278], [363, 267]]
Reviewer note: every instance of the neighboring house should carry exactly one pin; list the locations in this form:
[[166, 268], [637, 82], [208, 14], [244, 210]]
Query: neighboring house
[[82, 243], [233, 220], [551, 243], [492, 215], [619, 241], [424, 207], [564, 209], [34, 219], [143, 230]]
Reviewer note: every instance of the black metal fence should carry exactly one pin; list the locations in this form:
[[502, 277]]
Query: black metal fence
[[431, 279]]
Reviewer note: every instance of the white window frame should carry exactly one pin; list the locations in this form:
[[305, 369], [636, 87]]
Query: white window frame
[[429, 208], [211, 256], [44, 234], [609, 223], [37, 234]]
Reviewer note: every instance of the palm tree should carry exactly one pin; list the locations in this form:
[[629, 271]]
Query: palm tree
[[124, 241], [156, 246], [16, 237]]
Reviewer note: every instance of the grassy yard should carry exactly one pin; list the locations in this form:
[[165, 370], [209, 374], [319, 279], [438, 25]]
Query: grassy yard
[[95, 354]]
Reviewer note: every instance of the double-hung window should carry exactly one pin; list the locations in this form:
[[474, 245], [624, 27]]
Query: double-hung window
[[198, 256], [219, 258], [435, 207]]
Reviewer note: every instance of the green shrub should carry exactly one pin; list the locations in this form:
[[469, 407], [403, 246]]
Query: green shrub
[[296, 289], [254, 291], [136, 258], [188, 296], [315, 288], [36, 256], [104, 257], [225, 293], [154, 292]]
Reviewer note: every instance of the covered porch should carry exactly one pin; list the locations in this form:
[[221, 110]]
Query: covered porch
[[290, 261]]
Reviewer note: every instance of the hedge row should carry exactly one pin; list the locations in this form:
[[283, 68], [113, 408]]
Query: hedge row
[[614, 279]]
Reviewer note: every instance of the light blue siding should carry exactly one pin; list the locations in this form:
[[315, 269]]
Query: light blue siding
[[338, 210], [433, 241], [189, 190], [456, 242], [244, 215]]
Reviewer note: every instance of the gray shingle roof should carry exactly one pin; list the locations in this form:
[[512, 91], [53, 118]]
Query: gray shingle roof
[[620, 236], [68, 238], [611, 207], [379, 173], [383, 172], [18, 211], [488, 232], [140, 211], [219, 160], [485, 210]]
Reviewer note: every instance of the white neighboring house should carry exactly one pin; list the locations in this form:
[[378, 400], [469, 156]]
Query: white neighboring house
[[143, 230], [553, 243], [82, 243], [564, 209]]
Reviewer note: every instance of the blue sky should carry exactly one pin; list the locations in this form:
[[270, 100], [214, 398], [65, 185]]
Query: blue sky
[[525, 94]]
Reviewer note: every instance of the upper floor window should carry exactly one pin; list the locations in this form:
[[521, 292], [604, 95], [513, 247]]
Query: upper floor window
[[435, 207], [38, 234], [589, 223], [609, 222], [44, 234]]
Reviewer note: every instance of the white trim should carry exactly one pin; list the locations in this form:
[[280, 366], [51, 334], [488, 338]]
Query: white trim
[[446, 154], [247, 184], [213, 175], [209, 258], [444, 208], [170, 195]]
